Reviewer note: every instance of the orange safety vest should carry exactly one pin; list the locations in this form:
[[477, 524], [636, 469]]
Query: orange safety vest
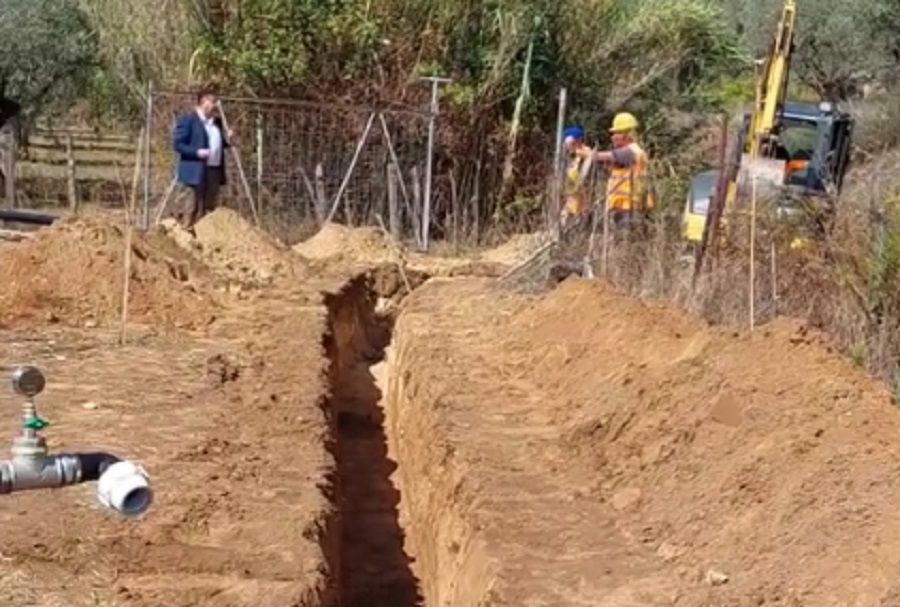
[[628, 188]]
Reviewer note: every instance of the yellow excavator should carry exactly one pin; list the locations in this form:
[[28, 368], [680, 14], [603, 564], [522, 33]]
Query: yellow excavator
[[799, 150]]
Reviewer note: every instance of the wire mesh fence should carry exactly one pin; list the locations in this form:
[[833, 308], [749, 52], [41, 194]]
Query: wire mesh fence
[[298, 164]]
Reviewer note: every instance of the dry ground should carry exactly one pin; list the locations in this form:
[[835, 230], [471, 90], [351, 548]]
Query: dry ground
[[219, 392], [582, 448], [571, 448]]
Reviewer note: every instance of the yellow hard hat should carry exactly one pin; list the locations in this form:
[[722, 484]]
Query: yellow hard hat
[[623, 123]]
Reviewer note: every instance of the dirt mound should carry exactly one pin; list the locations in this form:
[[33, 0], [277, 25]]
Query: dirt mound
[[514, 250], [766, 457], [335, 241], [72, 273], [236, 251]]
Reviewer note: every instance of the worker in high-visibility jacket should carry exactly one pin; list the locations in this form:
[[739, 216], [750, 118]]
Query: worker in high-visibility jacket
[[628, 194], [577, 170]]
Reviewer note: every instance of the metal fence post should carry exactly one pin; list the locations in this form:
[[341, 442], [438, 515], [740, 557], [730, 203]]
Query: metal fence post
[[436, 82], [557, 186], [148, 137]]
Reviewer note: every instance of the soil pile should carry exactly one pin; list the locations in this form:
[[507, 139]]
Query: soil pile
[[72, 272], [767, 459], [236, 251], [338, 242]]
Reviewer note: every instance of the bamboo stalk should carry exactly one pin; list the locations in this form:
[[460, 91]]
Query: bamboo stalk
[[129, 236]]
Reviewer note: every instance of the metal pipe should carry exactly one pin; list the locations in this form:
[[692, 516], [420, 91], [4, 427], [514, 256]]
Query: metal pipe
[[30, 217], [121, 485], [429, 158]]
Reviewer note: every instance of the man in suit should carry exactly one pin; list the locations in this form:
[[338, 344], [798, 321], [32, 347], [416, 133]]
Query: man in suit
[[200, 140]]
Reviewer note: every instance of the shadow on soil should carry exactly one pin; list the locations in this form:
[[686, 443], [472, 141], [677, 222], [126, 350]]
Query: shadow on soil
[[375, 569]]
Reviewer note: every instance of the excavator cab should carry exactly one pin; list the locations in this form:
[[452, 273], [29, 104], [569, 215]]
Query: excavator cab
[[812, 144], [816, 140]]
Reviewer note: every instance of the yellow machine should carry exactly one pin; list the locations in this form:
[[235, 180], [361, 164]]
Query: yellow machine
[[800, 150]]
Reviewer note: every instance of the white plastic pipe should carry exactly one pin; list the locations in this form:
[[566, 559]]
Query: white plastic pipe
[[125, 488]]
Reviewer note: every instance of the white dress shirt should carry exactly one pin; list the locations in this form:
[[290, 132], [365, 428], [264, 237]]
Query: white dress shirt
[[214, 136]]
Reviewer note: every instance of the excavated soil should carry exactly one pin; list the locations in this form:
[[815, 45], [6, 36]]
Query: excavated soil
[[335, 241], [239, 254], [72, 273], [586, 449], [323, 437], [233, 421]]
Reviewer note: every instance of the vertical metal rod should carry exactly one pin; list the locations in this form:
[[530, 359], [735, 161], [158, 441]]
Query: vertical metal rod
[[429, 160], [753, 254], [144, 223], [774, 260], [556, 190]]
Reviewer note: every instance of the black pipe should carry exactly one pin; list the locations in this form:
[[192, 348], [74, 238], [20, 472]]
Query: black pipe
[[93, 465], [41, 219]]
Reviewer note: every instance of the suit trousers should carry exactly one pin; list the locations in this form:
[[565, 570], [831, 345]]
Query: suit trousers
[[205, 197]]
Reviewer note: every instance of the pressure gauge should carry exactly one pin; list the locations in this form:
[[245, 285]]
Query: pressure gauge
[[28, 381]]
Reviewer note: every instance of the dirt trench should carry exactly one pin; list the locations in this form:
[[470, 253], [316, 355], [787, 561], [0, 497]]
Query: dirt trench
[[370, 564]]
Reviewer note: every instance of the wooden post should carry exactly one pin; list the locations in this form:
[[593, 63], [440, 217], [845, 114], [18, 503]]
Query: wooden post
[[752, 290], [454, 203], [417, 194], [321, 202], [72, 186], [259, 155], [774, 262], [604, 243], [393, 208], [9, 165], [130, 213]]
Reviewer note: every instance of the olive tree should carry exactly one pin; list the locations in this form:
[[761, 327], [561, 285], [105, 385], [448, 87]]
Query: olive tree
[[47, 53]]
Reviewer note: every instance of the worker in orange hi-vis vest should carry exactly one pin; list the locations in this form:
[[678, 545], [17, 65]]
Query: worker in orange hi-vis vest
[[576, 183], [628, 194]]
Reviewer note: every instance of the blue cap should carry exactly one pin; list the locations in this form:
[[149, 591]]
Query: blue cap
[[575, 132]]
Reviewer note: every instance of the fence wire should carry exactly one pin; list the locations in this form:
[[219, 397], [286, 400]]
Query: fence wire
[[302, 163]]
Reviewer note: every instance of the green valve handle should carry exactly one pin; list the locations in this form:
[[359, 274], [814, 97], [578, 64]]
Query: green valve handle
[[35, 423]]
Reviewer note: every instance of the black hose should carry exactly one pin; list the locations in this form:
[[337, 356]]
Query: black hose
[[93, 465], [29, 217]]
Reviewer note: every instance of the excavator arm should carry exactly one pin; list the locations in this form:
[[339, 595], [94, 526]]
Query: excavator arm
[[772, 86]]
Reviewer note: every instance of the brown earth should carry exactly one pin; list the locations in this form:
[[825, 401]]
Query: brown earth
[[238, 253], [72, 273], [586, 449], [577, 448]]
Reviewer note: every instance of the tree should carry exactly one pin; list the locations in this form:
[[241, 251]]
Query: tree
[[840, 45], [47, 53]]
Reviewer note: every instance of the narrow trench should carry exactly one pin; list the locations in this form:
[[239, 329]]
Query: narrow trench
[[375, 570]]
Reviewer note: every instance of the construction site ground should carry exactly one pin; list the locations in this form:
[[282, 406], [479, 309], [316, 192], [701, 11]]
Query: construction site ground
[[317, 435]]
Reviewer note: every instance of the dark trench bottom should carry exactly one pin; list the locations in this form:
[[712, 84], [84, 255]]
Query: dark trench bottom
[[375, 569]]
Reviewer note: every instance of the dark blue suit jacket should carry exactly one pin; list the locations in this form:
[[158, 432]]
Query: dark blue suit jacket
[[189, 137]]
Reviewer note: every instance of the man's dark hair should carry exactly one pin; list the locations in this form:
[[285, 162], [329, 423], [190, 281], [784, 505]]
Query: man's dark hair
[[204, 93]]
